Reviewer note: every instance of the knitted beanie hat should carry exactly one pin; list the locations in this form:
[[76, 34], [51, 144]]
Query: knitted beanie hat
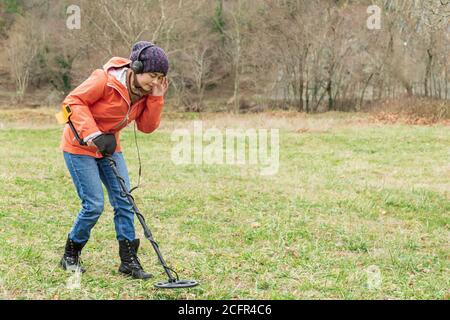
[[153, 58]]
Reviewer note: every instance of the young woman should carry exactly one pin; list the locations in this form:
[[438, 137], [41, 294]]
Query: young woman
[[123, 91]]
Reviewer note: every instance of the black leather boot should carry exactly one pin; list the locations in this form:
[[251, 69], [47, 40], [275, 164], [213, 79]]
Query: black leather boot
[[71, 259], [130, 264]]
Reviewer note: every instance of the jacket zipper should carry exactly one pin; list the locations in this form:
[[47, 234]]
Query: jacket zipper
[[125, 119]]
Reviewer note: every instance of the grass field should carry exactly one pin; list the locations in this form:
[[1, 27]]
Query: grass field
[[352, 202]]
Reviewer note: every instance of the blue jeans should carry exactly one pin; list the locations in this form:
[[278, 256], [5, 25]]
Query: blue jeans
[[88, 173]]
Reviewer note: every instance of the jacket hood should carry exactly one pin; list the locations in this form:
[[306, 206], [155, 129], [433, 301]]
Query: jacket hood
[[116, 62]]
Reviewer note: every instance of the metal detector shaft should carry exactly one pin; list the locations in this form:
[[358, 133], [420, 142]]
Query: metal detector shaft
[[75, 133], [172, 283], [141, 219]]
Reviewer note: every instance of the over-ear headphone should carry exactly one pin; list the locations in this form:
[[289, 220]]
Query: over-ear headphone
[[138, 66]]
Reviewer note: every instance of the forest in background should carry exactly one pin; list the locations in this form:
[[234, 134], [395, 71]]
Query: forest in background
[[238, 55]]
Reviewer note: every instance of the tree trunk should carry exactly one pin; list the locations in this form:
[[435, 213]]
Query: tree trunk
[[364, 91], [446, 83], [330, 96], [428, 72], [236, 93], [301, 85], [300, 95]]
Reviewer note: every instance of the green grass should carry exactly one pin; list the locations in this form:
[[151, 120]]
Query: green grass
[[344, 200]]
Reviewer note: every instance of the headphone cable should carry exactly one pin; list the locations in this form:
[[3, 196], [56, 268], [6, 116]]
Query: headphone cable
[[139, 158]]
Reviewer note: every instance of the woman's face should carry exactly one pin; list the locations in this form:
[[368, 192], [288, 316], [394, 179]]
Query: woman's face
[[149, 79]]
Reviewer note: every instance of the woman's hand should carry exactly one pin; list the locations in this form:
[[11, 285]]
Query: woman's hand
[[160, 89], [105, 143]]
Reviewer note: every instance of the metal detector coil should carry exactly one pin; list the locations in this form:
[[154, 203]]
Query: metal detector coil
[[176, 284]]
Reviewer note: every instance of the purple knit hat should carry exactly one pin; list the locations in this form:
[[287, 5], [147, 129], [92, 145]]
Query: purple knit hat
[[154, 58]]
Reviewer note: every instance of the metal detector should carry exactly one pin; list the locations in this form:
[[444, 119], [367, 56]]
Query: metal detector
[[172, 282]]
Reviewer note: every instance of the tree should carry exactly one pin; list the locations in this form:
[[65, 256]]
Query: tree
[[22, 47]]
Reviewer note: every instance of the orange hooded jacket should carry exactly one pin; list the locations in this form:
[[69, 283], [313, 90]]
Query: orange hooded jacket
[[102, 104]]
